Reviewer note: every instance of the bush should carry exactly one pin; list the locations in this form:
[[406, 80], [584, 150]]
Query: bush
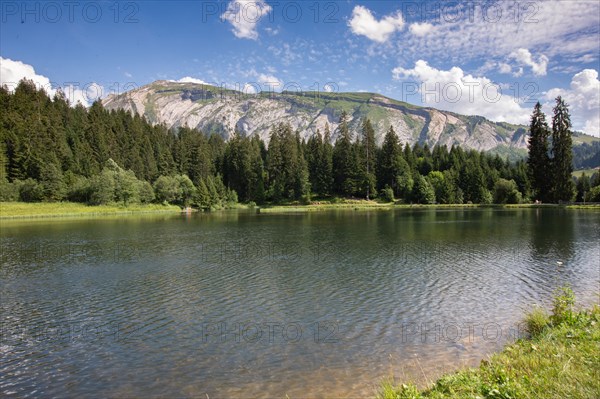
[[146, 192], [387, 194], [422, 191], [506, 192], [31, 191], [78, 188], [102, 188], [166, 189], [53, 183], [9, 191], [593, 195], [306, 199], [562, 309]]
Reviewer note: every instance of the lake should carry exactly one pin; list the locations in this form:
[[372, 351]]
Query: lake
[[239, 304]]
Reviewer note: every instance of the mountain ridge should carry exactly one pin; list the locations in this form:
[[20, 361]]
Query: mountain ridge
[[221, 110]]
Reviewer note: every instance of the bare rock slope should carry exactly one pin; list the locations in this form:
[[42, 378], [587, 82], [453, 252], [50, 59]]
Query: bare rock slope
[[213, 109]]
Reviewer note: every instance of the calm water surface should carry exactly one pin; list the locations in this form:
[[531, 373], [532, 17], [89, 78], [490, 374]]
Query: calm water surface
[[240, 305]]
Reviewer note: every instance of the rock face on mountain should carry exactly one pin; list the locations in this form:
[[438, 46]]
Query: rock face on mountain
[[213, 109]]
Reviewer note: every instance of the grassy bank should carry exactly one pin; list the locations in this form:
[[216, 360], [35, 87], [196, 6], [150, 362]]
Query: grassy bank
[[560, 359], [361, 205], [24, 210]]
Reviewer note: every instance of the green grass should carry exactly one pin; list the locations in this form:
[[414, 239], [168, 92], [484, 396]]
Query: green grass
[[588, 172], [351, 205], [16, 210], [561, 359]]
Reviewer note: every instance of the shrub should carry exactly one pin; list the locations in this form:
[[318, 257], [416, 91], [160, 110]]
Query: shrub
[[9, 191], [506, 192], [31, 191], [562, 309], [536, 321], [593, 195], [387, 194]]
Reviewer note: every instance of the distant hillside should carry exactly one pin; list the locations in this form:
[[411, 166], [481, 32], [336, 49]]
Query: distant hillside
[[212, 109]]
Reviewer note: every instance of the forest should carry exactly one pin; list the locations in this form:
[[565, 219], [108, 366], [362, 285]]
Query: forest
[[51, 151]]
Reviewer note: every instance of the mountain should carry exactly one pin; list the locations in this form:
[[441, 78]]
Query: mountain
[[212, 109]]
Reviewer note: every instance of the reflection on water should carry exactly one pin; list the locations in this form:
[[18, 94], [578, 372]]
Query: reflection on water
[[243, 305]]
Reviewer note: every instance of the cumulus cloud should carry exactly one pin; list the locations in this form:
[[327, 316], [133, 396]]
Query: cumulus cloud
[[189, 79], [12, 72], [250, 88], [524, 57], [270, 82], [420, 28], [453, 90], [583, 99], [364, 23], [244, 15]]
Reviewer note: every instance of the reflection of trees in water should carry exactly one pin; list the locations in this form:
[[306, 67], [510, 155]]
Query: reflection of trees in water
[[552, 234]]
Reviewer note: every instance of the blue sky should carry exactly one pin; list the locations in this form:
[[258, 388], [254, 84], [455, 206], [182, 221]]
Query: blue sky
[[485, 58]]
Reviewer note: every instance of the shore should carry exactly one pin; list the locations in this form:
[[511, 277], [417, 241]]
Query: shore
[[560, 359], [25, 210], [362, 205]]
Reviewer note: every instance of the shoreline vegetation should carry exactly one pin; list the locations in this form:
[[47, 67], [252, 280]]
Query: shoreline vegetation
[[42, 210], [560, 358], [51, 152]]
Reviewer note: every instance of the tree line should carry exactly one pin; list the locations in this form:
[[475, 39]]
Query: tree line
[[50, 151], [550, 161]]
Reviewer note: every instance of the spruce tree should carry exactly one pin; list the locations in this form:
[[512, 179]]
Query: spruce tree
[[386, 168], [344, 166], [563, 188], [538, 163], [367, 158], [325, 170]]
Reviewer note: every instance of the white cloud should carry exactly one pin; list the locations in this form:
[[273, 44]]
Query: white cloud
[[583, 99], [524, 57], [466, 32], [504, 68], [244, 15], [518, 73], [285, 53], [330, 88], [189, 79], [421, 28], [12, 72], [364, 23], [272, 31], [249, 88], [453, 90], [269, 82], [84, 96]]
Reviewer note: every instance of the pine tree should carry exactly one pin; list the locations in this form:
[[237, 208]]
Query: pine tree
[[538, 163], [388, 168], [325, 171], [562, 150], [344, 161], [367, 159], [314, 154]]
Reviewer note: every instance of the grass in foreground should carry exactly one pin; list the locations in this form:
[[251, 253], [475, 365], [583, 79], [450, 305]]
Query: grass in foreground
[[560, 360], [15, 210]]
